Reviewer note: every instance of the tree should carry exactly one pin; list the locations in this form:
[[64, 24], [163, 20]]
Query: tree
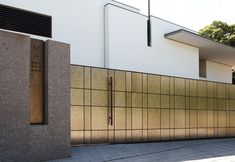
[[219, 31]]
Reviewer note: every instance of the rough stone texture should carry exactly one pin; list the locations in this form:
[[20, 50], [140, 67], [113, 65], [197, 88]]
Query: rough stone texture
[[20, 141]]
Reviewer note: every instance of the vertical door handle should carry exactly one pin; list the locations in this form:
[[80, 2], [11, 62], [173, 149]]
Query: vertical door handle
[[110, 87]]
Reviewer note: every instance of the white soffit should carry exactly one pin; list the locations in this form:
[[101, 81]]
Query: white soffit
[[208, 49]]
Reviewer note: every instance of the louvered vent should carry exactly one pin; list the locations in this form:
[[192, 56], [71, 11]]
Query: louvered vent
[[19, 20]]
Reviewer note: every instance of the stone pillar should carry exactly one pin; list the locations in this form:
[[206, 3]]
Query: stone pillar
[[20, 141]]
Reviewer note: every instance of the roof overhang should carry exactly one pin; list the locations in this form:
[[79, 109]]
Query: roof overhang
[[208, 49]]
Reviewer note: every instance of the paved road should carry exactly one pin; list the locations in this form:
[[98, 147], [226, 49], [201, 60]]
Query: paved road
[[216, 150]]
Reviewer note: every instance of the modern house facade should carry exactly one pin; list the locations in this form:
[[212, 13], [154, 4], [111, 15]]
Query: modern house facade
[[110, 34], [122, 90]]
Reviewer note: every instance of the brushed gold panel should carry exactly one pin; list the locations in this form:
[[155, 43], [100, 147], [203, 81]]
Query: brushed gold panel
[[202, 132], [87, 97], [154, 135], [210, 132], [165, 85], [153, 118], [210, 103], [172, 134], [201, 103], [128, 99], [187, 91], [222, 132], [111, 136], [165, 134], [187, 117], [87, 119], [77, 137], [187, 133], [153, 101], [193, 118], [165, 101], [165, 118], [215, 104], [77, 96], [145, 83], [210, 119], [120, 99], [137, 100], [172, 102], [192, 87], [222, 104], [221, 118], [137, 135], [128, 136], [172, 118], [120, 118], [145, 100], [77, 118], [179, 86], [128, 118], [120, 136], [187, 106], [201, 119], [87, 137], [153, 84], [179, 134], [210, 89], [201, 88], [99, 118], [232, 118], [179, 102], [179, 118], [120, 81], [193, 102], [136, 118], [172, 85], [232, 132], [221, 90], [232, 91], [99, 136], [136, 82], [99, 78], [231, 104], [36, 93], [36, 104], [192, 133], [145, 135], [145, 118], [87, 77], [77, 76], [99, 98], [128, 81]]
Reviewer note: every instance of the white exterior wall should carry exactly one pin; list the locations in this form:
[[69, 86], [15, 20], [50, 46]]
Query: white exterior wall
[[218, 72], [126, 46]]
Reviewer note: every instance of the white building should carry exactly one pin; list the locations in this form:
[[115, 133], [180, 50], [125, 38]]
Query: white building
[[106, 33]]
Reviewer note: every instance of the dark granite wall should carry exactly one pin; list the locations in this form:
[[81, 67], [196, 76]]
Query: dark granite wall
[[20, 141]]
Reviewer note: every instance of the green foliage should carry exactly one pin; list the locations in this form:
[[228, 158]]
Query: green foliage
[[220, 31]]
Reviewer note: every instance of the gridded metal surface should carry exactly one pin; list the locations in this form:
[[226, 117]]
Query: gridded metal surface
[[25, 21], [147, 107]]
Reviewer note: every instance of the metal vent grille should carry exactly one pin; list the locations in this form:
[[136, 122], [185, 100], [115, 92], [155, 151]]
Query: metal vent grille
[[25, 21]]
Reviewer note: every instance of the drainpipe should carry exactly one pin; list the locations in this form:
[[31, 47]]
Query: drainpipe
[[149, 39]]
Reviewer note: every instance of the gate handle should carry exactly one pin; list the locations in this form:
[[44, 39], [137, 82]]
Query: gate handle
[[111, 100]]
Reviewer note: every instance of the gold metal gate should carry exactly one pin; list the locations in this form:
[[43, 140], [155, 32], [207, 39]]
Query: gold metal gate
[[112, 106]]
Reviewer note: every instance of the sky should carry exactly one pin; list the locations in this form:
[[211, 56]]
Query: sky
[[192, 14]]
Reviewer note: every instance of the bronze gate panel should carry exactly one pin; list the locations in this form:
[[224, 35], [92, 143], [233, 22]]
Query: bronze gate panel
[[113, 106]]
